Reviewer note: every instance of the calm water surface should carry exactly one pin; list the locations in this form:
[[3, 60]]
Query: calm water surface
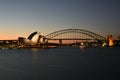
[[64, 63]]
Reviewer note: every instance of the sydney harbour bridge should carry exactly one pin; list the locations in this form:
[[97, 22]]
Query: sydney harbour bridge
[[78, 35], [74, 34]]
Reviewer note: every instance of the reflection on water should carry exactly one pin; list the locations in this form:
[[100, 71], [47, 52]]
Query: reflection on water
[[82, 48], [63, 63]]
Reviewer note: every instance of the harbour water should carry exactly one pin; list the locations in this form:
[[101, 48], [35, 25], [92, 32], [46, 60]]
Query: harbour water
[[63, 63]]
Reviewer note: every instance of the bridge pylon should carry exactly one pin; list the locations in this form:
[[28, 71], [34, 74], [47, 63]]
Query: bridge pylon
[[60, 42]]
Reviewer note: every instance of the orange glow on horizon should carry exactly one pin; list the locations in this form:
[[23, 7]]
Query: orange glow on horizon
[[10, 37]]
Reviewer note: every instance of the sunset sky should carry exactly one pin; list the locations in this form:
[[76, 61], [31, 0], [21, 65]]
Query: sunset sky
[[19, 18]]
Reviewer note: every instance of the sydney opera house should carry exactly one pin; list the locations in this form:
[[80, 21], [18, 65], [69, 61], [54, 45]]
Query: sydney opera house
[[33, 39]]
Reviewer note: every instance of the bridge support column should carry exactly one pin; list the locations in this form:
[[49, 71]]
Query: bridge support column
[[60, 41]]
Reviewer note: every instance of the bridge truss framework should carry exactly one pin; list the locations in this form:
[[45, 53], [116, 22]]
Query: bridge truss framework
[[78, 35]]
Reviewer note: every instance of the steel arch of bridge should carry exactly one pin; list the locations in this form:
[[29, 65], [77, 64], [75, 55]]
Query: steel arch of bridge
[[80, 31]]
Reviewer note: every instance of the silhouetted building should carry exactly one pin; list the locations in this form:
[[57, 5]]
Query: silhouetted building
[[118, 37]]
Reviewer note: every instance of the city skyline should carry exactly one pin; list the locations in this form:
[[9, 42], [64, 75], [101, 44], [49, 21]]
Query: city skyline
[[21, 17]]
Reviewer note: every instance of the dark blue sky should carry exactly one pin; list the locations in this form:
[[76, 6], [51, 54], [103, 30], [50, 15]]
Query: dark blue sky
[[21, 17]]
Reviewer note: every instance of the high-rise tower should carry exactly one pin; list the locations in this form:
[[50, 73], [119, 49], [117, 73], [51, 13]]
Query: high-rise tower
[[110, 40]]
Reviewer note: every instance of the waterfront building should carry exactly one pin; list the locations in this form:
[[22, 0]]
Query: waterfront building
[[33, 39], [110, 40]]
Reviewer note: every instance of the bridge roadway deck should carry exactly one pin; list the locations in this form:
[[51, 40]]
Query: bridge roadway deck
[[71, 39]]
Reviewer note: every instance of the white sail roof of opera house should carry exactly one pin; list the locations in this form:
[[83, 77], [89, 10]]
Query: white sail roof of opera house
[[34, 37]]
